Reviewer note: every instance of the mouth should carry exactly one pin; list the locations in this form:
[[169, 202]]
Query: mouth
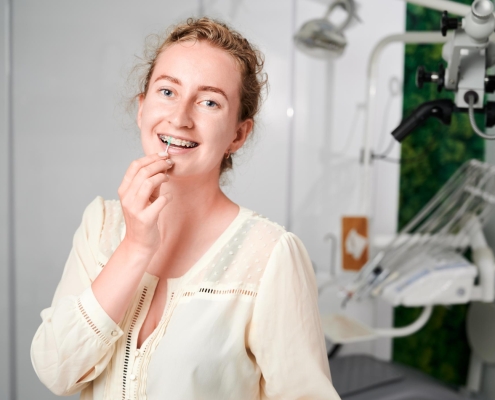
[[177, 143]]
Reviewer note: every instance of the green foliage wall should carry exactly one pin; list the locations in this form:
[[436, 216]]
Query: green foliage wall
[[430, 155]]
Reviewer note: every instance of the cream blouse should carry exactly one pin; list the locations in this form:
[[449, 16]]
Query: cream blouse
[[241, 324]]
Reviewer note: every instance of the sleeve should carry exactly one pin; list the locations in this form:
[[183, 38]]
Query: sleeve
[[76, 338], [286, 336]]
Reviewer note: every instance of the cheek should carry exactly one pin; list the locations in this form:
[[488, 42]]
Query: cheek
[[153, 113], [149, 115], [218, 130], [220, 140]]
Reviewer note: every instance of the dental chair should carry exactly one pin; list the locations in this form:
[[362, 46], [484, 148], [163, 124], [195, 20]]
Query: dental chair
[[362, 377]]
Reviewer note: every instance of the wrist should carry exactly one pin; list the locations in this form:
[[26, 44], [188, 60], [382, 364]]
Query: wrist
[[136, 250]]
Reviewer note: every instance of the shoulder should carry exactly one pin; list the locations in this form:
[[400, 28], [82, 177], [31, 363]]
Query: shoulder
[[259, 232], [264, 256], [262, 226], [101, 212], [269, 237], [264, 229]]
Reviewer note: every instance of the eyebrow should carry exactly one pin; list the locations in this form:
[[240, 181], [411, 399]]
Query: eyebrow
[[200, 88]]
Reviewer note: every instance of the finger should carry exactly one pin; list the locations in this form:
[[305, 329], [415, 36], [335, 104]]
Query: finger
[[136, 166], [156, 193], [151, 212], [149, 186], [159, 166]]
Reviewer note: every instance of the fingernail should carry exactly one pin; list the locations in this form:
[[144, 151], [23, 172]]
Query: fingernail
[[171, 162], [163, 154]]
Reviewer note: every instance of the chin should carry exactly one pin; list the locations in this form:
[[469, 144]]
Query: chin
[[185, 172]]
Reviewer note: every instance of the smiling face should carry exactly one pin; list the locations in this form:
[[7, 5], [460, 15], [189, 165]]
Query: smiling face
[[193, 100]]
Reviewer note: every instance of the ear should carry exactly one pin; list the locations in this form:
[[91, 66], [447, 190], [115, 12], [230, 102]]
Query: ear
[[140, 109], [244, 128]]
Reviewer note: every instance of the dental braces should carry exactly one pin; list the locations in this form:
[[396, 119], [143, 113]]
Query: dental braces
[[179, 142]]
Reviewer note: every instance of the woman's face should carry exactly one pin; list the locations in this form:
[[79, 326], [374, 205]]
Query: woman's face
[[193, 96]]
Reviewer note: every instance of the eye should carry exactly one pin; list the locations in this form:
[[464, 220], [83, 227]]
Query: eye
[[166, 92], [210, 103]]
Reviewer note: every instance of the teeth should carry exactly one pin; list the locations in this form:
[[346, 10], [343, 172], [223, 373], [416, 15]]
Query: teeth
[[177, 142]]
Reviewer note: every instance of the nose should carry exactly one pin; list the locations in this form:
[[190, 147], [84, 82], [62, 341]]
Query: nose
[[180, 117]]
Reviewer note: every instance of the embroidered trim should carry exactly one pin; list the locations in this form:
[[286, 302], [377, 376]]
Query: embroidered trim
[[91, 323], [105, 213], [224, 291], [148, 342], [128, 341]]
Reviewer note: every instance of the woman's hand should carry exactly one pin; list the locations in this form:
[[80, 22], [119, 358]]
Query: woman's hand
[[141, 201]]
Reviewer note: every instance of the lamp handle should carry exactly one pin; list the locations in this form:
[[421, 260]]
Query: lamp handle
[[348, 6]]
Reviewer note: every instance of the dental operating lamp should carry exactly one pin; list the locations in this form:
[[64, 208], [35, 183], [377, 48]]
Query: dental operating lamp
[[468, 54], [321, 38]]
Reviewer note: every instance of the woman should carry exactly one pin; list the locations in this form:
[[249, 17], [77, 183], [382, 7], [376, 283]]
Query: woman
[[175, 291]]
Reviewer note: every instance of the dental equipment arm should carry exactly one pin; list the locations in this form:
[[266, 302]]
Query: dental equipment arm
[[410, 329], [468, 53], [342, 329]]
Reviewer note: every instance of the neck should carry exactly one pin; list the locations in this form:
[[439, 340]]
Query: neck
[[194, 202]]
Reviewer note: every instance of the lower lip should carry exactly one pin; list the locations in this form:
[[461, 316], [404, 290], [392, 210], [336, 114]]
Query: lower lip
[[177, 150]]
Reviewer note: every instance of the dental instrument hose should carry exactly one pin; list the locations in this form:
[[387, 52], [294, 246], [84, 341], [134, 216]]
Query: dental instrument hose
[[472, 99]]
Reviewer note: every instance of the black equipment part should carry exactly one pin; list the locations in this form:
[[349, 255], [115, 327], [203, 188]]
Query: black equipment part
[[447, 23], [423, 76], [490, 84], [441, 109], [490, 114]]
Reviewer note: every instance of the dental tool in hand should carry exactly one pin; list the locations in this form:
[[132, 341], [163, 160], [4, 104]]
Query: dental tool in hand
[[168, 145]]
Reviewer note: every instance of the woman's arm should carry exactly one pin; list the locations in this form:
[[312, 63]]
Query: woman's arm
[[141, 205], [286, 336], [76, 337]]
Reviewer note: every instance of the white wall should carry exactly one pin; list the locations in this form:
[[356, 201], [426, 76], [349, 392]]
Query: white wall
[[4, 226], [72, 141]]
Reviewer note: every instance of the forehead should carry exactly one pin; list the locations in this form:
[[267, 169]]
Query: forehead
[[199, 63]]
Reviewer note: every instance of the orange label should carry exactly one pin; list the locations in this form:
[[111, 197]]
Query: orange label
[[354, 243]]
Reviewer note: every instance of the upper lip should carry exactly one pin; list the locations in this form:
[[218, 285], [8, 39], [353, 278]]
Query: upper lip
[[177, 137]]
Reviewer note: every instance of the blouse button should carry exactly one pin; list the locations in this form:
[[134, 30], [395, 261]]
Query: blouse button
[[114, 333], [132, 377], [137, 353]]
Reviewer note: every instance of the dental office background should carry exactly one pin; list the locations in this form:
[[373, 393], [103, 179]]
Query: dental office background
[[65, 138]]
